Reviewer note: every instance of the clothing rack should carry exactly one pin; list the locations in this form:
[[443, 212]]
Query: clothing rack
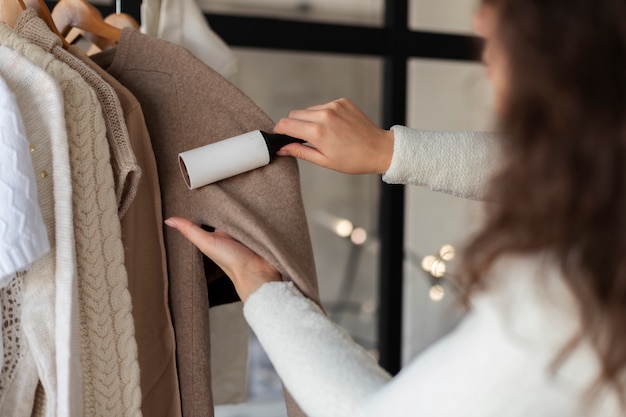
[[396, 44]]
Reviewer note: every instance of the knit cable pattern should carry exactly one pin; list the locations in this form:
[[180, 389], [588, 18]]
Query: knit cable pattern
[[126, 170]]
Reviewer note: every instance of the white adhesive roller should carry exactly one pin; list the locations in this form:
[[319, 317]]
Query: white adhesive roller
[[229, 157]]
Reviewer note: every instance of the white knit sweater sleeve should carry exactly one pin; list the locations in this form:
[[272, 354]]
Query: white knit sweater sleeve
[[488, 366], [329, 375], [325, 371], [457, 163]]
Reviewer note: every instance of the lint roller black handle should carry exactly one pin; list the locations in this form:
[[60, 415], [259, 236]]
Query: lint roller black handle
[[275, 141]]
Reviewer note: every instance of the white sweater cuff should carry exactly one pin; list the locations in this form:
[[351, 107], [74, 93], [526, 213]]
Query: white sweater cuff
[[457, 163]]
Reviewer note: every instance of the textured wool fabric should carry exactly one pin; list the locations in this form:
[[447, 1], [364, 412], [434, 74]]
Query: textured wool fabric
[[108, 351], [497, 363], [126, 171], [144, 254], [458, 163], [186, 105], [49, 317]]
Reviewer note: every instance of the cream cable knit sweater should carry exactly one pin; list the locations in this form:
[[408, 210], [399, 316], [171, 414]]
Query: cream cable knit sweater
[[108, 348], [126, 170], [495, 364]]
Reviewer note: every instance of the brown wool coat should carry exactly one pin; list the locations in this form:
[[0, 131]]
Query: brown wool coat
[[186, 105]]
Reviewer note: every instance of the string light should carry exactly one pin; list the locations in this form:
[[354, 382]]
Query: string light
[[343, 227], [447, 252], [436, 292], [435, 266], [427, 262], [438, 268], [358, 236]]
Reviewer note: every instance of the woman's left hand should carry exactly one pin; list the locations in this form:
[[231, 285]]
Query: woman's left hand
[[247, 270]]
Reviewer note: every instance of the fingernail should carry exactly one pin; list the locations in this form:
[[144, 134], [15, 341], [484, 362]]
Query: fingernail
[[170, 223], [282, 153], [207, 228]]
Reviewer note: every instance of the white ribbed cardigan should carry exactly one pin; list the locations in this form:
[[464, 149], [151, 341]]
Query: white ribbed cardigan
[[495, 364]]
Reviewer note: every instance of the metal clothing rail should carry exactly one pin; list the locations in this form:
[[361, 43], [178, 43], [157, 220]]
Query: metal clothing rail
[[396, 44]]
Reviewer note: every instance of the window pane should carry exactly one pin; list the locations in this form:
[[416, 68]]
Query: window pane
[[369, 12], [450, 16], [448, 95], [442, 96], [282, 81], [279, 82]]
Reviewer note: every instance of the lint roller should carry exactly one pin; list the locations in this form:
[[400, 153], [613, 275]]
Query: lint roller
[[229, 157]]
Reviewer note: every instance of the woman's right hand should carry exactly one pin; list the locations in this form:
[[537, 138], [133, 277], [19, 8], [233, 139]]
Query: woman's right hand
[[341, 137]]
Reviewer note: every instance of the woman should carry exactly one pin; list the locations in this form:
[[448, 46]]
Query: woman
[[545, 278]]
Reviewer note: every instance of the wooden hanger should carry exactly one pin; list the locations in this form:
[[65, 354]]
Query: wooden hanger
[[44, 14], [10, 10], [119, 20], [122, 20], [68, 14]]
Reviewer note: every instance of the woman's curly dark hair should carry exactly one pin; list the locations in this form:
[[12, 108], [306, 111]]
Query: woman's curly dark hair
[[563, 187]]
